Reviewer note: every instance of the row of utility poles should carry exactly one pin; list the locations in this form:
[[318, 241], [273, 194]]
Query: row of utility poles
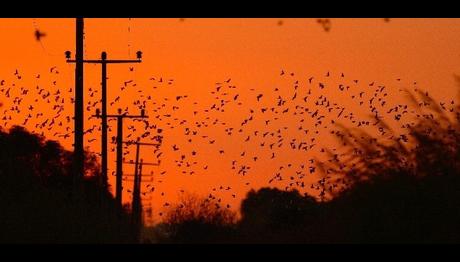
[[79, 127], [119, 169], [136, 206]]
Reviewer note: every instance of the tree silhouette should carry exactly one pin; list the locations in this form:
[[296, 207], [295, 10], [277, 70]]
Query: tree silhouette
[[197, 220], [36, 197], [406, 190], [272, 215]]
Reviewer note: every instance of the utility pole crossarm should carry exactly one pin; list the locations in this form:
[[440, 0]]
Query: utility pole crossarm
[[141, 143], [122, 116], [102, 61], [126, 116], [144, 164], [134, 175], [144, 144], [149, 144]]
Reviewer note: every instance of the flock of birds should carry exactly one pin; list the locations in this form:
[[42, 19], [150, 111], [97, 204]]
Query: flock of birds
[[282, 129]]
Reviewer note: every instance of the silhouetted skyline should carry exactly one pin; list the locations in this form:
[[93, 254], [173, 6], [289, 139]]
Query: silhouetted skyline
[[242, 103]]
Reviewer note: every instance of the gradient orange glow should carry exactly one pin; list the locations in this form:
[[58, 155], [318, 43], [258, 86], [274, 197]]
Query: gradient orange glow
[[195, 54]]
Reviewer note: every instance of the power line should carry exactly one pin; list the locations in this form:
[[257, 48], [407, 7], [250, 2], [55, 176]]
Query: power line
[[129, 37]]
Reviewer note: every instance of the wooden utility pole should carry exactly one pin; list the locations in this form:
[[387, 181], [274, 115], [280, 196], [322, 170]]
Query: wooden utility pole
[[78, 109], [103, 61], [78, 153], [136, 204]]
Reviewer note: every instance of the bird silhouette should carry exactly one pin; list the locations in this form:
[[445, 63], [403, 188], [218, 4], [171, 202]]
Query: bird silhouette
[[38, 35]]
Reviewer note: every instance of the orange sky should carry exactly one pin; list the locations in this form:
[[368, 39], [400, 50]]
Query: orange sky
[[198, 53]]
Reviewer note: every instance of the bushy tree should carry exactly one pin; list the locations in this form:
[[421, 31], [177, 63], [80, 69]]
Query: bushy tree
[[38, 200], [196, 219]]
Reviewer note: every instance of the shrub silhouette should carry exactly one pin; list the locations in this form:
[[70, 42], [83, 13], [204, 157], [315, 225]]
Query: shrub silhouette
[[36, 197], [272, 215], [197, 220], [406, 190]]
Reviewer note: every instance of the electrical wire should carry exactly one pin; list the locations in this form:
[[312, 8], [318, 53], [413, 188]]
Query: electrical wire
[[129, 37]]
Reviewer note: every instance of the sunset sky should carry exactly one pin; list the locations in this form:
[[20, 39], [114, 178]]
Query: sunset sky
[[186, 60]]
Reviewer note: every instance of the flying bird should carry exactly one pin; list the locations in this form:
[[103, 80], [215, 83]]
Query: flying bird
[[38, 35]]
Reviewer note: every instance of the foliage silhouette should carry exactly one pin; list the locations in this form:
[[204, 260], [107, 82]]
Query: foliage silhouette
[[407, 190], [36, 199], [197, 220], [402, 190], [272, 215]]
